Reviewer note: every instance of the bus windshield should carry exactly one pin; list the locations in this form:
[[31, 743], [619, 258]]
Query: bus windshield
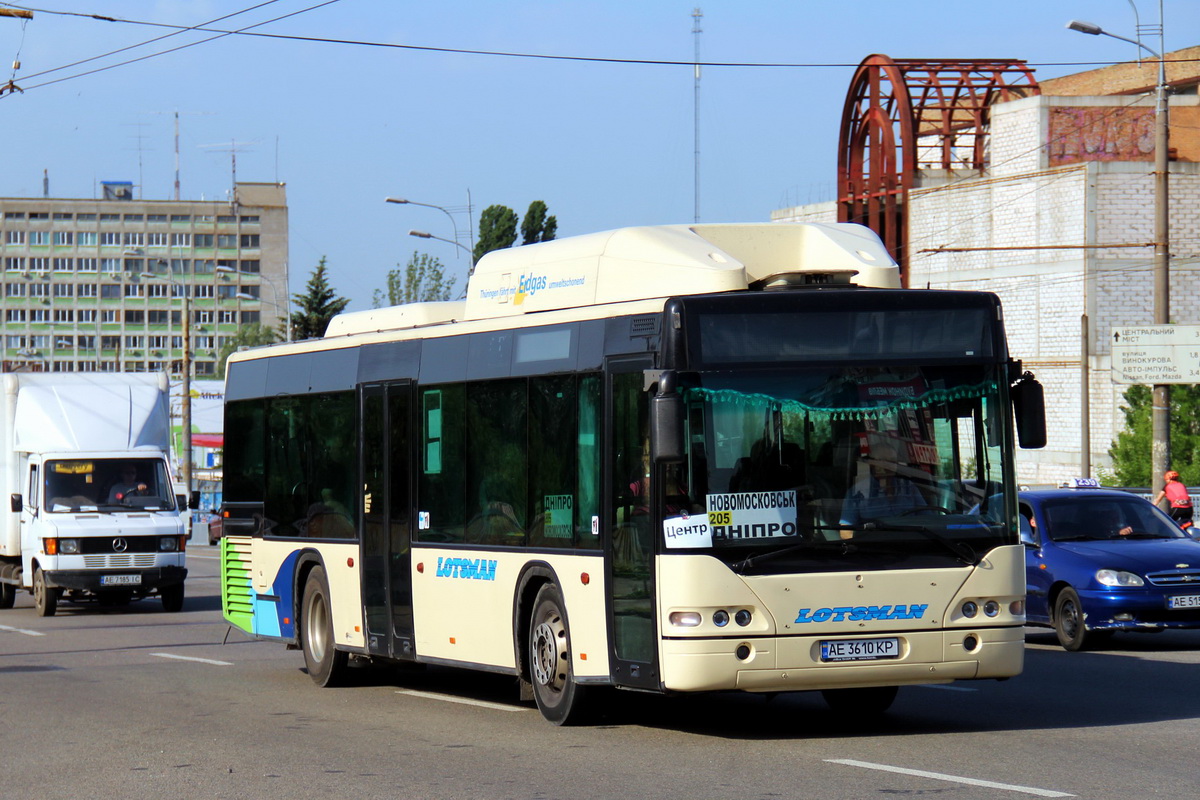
[[842, 467]]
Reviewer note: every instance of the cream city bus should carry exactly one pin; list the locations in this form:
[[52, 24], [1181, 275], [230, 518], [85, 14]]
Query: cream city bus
[[669, 459]]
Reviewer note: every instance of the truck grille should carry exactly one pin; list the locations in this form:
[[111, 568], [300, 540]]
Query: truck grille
[[119, 560]]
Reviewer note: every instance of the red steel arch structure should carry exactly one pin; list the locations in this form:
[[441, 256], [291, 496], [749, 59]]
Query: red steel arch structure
[[905, 115]]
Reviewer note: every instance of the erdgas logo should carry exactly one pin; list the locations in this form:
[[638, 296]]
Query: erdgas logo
[[860, 613], [528, 286]]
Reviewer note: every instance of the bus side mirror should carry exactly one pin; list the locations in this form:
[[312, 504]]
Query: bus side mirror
[[16, 503], [666, 420], [1029, 405], [194, 500]]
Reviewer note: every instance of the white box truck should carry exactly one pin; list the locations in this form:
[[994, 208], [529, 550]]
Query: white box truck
[[92, 513]]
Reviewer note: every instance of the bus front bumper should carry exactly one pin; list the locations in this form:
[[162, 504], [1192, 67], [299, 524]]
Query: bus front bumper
[[793, 663]]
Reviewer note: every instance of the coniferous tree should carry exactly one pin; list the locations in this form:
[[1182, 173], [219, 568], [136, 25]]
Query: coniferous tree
[[537, 226], [497, 230], [316, 306]]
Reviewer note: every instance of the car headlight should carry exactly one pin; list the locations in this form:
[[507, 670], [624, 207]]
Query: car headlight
[[68, 547], [1119, 577]]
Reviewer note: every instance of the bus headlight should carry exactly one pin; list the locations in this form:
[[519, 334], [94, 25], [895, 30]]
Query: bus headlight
[[742, 617], [721, 618], [685, 619], [969, 609], [991, 608]]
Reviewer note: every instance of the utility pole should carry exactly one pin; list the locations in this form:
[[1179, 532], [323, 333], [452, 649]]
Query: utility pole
[[697, 15]]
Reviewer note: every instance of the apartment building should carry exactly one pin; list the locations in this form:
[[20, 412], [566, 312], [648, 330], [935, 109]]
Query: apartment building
[[103, 284]]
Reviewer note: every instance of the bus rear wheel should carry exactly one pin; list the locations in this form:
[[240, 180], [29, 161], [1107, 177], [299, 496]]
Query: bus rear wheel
[[325, 663], [558, 697], [45, 598]]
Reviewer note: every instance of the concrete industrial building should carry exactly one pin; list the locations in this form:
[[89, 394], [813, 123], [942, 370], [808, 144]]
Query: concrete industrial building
[[1056, 216], [100, 284]]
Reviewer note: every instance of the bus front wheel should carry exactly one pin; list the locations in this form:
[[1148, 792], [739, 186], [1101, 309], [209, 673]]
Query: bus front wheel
[[558, 697], [325, 663]]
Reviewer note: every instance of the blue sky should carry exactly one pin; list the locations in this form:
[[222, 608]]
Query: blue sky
[[603, 144]]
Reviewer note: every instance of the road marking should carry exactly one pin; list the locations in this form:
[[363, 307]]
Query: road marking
[[461, 700], [946, 688], [21, 630], [193, 658], [937, 776]]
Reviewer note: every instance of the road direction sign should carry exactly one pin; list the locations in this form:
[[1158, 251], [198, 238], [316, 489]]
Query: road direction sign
[[1155, 354]]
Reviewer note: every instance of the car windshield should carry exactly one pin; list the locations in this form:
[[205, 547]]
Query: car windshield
[[1092, 517], [108, 485], [832, 468]]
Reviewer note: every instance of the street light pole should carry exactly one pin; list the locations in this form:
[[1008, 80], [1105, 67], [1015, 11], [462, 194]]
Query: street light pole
[[470, 250], [185, 403], [1160, 415], [425, 235]]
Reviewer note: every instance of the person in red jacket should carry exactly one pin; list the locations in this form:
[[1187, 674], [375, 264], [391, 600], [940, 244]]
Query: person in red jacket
[[1177, 495]]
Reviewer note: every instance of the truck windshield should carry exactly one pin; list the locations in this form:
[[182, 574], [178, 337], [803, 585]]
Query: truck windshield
[[101, 484], [833, 467]]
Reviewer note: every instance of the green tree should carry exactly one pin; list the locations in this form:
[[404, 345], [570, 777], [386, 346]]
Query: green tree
[[252, 335], [316, 306], [423, 279], [497, 230], [536, 226], [1131, 450]]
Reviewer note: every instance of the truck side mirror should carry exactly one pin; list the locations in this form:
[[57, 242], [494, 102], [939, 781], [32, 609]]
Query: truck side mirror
[[17, 503], [1029, 405]]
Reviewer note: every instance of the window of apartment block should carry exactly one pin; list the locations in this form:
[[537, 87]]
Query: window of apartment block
[[39, 290], [251, 317], [64, 265], [86, 264], [14, 237], [64, 366], [39, 264], [135, 316], [64, 238], [203, 290], [135, 265], [203, 266], [39, 238], [110, 266], [226, 292], [181, 240], [87, 342], [134, 218], [63, 215], [39, 315], [110, 315], [135, 239], [156, 218], [158, 290], [135, 366], [110, 217], [110, 342], [158, 342], [110, 239], [202, 241], [250, 266], [203, 317], [250, 241], [13, 341], [39, 340], [181, 218], [226, 220], [227, 241], [64, 290], [86, 315], [226, 317], [110, 366], [86, 238], [206, 368], [14, 215], [64, 315], [39, 215], [15, 315], [158, 317], [157, 239], [205, 218], [135, 290], [204, 342], [135, 342], [64, 342], [250, 219], [250, 290], [86, 366], [14, 290], [85, 217], [227, 265], [14, 264], [110, 291]]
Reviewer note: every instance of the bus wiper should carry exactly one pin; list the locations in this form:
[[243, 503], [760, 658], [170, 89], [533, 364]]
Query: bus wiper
[[963, 551], [839, 544]]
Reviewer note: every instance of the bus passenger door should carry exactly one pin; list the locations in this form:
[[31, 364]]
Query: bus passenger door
[[386, 487], [630, 516]]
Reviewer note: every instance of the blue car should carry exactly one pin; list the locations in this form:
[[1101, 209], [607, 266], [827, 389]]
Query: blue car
[[1099, 561]]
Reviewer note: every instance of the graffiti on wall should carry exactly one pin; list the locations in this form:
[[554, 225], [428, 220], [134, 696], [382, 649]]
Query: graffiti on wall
[[1100, 134]]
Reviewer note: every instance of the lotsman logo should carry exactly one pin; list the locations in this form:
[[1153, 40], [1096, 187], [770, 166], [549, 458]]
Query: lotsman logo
[[861, 613]]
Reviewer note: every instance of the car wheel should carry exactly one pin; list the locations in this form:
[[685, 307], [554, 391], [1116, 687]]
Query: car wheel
[[1069, 620]]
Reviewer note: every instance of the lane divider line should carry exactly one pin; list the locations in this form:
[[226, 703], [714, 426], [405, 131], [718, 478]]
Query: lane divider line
[[193, 658], [461, 700], [21, 630], [937, 776]]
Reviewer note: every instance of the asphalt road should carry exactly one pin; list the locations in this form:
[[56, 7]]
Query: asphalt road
[[138, 703]]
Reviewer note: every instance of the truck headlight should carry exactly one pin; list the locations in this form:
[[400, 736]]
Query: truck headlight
[[68, 547], [168, 544]]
